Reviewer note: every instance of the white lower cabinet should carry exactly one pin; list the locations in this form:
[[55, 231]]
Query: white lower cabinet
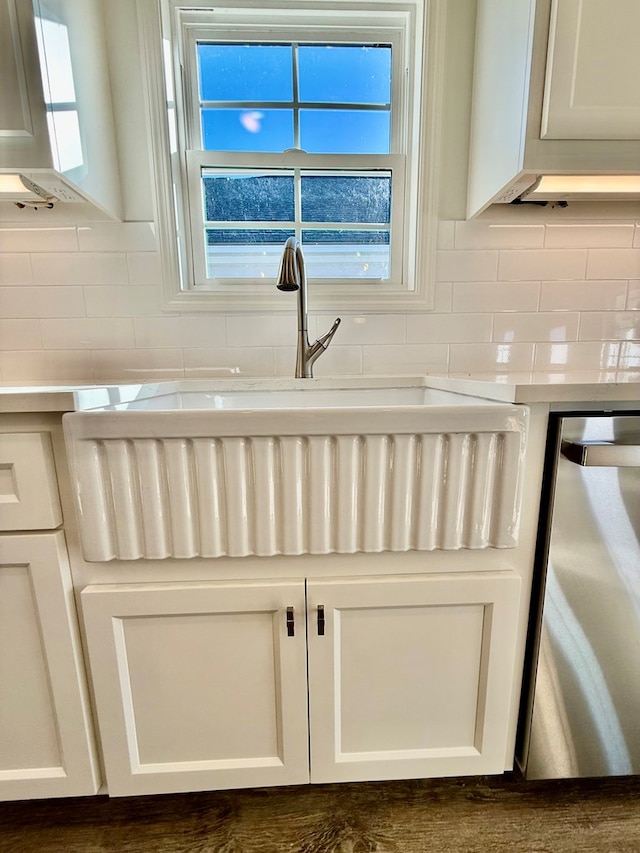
[[211, 685], [412, 677], [46, 747], [198, 685]]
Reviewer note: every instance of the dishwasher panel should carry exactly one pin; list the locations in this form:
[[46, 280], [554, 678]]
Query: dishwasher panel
[[584, 700]]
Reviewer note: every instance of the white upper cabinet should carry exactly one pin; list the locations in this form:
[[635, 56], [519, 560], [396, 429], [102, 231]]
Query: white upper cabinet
[[555, 92], [57, 125], [19, 75], [593, 69]]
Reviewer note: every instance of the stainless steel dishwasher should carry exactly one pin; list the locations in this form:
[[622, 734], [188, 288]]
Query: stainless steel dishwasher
[[581, 711]]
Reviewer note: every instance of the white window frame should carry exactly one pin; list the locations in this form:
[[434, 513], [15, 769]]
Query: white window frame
[[245, 31], [177, 167]]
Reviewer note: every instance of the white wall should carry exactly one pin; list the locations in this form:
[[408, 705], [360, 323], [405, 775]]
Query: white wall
[[528, 290]]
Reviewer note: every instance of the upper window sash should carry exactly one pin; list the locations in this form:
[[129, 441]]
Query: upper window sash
[[393, 36]]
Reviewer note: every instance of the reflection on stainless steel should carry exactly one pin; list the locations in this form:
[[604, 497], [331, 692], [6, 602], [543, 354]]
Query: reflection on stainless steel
[[585, 718]]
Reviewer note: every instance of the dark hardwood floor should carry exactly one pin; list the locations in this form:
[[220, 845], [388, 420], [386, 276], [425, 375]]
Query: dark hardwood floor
[[471, 815]]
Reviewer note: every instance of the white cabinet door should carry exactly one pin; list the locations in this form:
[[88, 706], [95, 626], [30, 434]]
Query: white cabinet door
[[15, 62], [15, 118], [24, 138], [46, 741], [199, 685], [592, 86], [412, 676]]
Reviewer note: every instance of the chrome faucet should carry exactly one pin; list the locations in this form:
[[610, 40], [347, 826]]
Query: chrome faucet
[[292, 276]]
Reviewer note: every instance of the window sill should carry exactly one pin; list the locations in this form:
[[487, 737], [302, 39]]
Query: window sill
[[257, 303]]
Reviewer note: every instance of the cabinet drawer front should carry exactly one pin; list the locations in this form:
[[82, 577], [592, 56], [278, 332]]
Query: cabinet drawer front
[[28, 488]]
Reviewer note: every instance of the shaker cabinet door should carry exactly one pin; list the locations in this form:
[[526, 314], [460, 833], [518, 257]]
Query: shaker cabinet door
[[46, 736], [410, 676], [593, 68], [24, 138], [199, 685]]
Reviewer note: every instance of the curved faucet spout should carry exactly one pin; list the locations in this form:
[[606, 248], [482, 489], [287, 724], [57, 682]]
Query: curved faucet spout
[[291, 271], [292, 276]]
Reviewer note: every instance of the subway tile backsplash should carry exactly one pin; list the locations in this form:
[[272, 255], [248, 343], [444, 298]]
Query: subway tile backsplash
[[613, 263], [85, 304], [583, 295], [79, 268], [543, 264], [589, 236]]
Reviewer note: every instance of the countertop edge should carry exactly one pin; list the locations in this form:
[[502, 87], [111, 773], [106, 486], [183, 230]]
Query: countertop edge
[[557, 390]]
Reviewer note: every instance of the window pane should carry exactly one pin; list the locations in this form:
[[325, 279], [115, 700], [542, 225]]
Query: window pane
[[247, 130], [319, 236], [339, 198], [347, 254], [250, 237], [250, 253], [245, 72], [344, 131], [244, 198], [353, 74]]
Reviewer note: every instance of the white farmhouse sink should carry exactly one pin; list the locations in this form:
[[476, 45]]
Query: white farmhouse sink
[[265, 467], [268, 394]]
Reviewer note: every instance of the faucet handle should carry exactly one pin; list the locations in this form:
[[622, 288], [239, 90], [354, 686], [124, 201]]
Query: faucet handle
[[321, 345], [325, 340]]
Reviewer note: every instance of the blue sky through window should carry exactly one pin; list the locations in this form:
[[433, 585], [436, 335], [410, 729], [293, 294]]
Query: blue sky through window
[[247, 92], [344, 132], [345, 75], [245, 72], [260, 130]]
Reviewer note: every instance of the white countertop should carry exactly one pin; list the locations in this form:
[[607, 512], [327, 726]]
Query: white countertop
[[557, 389], [39, 398], [581, 386]]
